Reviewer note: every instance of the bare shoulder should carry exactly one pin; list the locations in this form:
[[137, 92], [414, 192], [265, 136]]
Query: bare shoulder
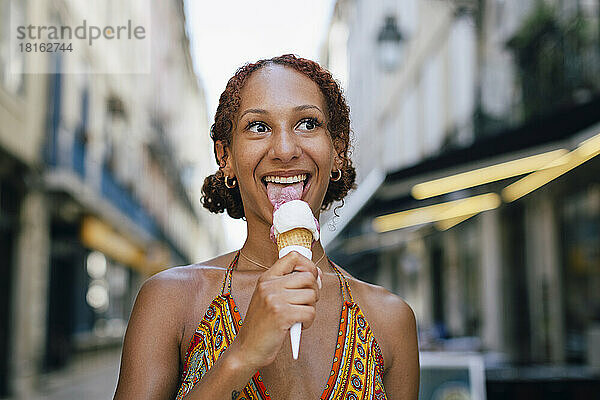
[[157, 322], [187, 275], [177, 285], [390, 317], [382, 304], [387, 310], [170, 292]]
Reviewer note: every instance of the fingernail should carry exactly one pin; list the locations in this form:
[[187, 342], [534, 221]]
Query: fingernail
[[319, 284]]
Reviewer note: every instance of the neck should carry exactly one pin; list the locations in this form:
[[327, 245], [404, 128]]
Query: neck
[[260, 248]]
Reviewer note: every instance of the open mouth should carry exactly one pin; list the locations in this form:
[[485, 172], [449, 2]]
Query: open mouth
[[276, 184]]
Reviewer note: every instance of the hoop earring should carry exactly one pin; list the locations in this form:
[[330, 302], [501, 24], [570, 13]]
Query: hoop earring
[[339, 176], [230, 185]]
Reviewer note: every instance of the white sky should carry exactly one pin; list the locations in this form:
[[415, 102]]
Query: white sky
[[226, 34], [229, 33]]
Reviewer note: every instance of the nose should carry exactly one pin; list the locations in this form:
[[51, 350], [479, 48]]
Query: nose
[[285, 146]]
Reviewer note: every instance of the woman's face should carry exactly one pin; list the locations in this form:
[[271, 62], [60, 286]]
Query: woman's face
[[280, 135]]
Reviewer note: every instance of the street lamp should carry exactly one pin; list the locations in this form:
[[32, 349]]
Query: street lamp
[[391, 44]]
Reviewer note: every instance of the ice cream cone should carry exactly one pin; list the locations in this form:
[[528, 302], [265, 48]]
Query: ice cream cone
[[295, 237], [294, 229]]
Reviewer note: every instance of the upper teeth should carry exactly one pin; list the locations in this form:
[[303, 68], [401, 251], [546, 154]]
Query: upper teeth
[[285, 179]]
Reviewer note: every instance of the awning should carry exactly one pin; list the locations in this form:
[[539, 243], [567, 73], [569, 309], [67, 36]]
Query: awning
[[100, 236]]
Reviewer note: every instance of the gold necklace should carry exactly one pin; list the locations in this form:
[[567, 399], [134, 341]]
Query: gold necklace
[[265, 267]]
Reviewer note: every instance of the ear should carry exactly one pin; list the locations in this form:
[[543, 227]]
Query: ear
[[224, 156], [338, 163]]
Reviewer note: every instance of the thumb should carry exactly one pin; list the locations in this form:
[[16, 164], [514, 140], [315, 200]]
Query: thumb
[[292, 262]]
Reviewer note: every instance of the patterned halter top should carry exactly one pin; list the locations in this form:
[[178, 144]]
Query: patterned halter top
[[357, 366]]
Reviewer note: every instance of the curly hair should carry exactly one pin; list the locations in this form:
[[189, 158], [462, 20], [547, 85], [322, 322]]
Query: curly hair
[[216, 197]]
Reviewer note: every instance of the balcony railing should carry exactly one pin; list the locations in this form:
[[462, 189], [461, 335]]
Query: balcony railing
[[78, 156], [122, 198]]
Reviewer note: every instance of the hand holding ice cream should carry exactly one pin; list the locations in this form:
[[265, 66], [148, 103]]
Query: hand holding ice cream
[[294, 229]]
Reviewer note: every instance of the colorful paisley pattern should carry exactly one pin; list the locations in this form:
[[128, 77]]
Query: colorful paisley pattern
[[357, 367]]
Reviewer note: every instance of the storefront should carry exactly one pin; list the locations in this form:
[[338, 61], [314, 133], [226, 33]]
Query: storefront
[[11, 191], [579, 213], [96, 272]]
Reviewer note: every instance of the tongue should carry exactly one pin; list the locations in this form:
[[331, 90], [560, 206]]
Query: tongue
[[279, 194]]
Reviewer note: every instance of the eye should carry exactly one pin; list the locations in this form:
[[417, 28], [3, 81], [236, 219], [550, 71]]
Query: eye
[[257, 127], [309, 124]]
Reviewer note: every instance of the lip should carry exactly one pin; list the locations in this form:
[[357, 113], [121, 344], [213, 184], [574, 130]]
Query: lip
[[286, 174]]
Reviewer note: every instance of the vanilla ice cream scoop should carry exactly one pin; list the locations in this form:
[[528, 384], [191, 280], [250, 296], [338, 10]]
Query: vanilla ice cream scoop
[[293, 215]]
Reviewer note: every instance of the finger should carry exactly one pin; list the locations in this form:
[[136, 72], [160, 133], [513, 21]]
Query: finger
[[308, 267], [299, 280], [303, 314], [293, 261], [302, 296], [320, 278]]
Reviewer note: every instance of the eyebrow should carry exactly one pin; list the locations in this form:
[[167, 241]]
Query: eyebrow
[[306, 107], [253, 111], [261, 111]]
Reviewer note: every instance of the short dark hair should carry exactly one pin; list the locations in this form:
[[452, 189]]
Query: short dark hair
[[216, 196]]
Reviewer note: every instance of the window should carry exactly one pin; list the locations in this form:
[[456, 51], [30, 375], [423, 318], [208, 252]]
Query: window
[[581, 255], [461, 85], [12, 61], [409, 143], [338, 52], [432, 105]]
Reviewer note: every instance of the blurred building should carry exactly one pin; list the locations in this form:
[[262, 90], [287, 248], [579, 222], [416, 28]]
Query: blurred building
[[24, 238], [477, 127], [100, 178]]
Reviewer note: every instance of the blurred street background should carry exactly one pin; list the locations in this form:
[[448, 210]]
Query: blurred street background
[[476, 133]]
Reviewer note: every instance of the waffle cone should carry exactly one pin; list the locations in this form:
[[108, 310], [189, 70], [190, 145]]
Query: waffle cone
[[298, 237]]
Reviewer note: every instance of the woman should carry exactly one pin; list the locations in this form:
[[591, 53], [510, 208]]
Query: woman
[[279, 122]]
